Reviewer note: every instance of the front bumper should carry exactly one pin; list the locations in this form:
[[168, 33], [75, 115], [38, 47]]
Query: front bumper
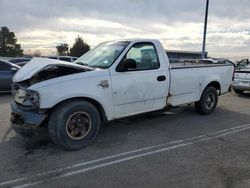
[[25, 122]]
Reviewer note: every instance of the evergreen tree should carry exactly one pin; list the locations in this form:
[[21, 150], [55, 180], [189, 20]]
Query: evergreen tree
[[79, 48], [8, 44]]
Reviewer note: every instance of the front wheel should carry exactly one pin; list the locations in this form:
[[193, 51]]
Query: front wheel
[[208, 101], [74, 124]]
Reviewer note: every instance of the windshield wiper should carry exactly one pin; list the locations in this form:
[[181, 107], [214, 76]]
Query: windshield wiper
[[81, 63], [87, 65], [94, 66]]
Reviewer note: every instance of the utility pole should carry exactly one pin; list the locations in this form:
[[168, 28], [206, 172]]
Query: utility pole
[[203, 55]]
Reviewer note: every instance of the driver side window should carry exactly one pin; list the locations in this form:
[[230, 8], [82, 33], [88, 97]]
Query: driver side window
[[144, 55]]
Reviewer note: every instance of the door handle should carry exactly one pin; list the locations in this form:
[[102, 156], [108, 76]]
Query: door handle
[[161, 78]]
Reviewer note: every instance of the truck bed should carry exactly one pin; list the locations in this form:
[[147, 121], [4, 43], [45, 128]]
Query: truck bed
[[188, 80], [181, 65]]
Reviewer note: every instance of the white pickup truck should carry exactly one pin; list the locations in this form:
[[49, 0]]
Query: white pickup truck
[[114, 80]]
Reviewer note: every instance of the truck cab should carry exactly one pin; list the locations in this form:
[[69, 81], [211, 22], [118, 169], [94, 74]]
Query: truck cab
[[115, 79]]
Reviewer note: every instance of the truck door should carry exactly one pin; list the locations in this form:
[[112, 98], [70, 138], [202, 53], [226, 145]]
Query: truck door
[[142, 87]]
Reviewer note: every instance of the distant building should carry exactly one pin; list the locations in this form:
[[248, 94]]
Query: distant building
[[176, 55]]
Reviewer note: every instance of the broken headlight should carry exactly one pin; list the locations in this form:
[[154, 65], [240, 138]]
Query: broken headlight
[[34, 97], [27, 98]]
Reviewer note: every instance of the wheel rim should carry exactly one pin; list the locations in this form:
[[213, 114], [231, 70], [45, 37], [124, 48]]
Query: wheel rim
[[210, 101], [78, 125]]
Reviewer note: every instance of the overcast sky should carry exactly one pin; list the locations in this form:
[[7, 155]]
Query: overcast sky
[[42, 24]]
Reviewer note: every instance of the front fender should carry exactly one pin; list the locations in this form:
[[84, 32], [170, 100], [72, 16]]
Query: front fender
[[53, 94]]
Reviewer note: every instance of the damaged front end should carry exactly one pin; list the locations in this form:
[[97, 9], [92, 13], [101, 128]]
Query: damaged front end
[[24, 97], [53, 71], [26, 122], [27, 118]]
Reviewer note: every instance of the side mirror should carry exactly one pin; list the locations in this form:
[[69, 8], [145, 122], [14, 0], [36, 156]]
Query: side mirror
[[126, 65]]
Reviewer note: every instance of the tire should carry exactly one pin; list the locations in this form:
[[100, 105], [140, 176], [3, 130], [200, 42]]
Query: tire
[[208, 101], [238, 91], [74, 124]]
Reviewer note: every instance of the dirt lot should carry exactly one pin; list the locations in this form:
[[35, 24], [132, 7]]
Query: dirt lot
[[179, 148]]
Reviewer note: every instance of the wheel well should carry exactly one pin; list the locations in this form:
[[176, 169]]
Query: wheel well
[[92, 101], [216, 85]]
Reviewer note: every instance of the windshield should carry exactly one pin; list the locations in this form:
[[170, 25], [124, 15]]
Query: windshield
[[103, 55]]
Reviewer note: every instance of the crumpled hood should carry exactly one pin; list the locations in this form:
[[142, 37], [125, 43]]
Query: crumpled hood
[[38, 64]]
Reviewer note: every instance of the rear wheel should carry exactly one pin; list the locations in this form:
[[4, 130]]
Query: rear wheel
[[74, 124], [238, 91], [208, 101]]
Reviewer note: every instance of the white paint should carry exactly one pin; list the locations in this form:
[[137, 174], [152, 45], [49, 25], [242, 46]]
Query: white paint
[[139, 91], [242, 80], [187, 85], [129, 93], [122, 157]]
